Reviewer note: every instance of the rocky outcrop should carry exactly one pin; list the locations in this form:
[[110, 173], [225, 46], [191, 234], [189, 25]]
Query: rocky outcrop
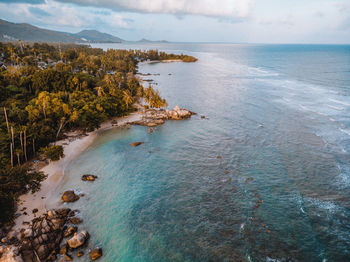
[[40, 241], [88, 177], [179, 113], [78, 239], [153, 117], [69, 196], [95, 253]]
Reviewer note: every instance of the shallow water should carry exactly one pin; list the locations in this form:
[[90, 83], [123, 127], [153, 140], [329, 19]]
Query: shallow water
[[278, 115]]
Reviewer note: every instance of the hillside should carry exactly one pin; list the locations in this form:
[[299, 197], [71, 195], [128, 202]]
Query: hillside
[[95, 36], [26, 32]]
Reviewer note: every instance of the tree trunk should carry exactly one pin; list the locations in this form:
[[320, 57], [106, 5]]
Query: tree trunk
[[59, 129], [7, 122], [13, 140], [25, 146], [33, 147], [18, 159], [11, 154], [21, 140]]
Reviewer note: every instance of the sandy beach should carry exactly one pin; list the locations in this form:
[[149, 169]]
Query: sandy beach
[[55, 170]]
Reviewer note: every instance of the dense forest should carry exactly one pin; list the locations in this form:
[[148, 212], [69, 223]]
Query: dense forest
[[46, 90]]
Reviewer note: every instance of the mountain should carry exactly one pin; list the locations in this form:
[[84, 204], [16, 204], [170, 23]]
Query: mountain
[[26, 32], [94, 36]]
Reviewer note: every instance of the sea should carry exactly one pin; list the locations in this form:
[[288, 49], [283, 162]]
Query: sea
[[265, 176]]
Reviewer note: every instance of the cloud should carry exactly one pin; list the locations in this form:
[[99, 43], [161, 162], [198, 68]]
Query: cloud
[[38, 11], [33, 2], [215, 8]]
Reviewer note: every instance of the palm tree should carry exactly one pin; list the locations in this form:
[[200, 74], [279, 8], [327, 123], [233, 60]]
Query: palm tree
[[127, 98]]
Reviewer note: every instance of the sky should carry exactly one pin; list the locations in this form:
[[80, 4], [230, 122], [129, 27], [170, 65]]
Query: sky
[[235, 21]]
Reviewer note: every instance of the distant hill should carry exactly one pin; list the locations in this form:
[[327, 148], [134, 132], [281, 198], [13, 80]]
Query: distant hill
[[26, 32], [143, 40], [95, 36]]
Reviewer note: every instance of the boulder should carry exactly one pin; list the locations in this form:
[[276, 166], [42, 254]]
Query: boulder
[[75, 220], [78, 239], [69, 196], [88, 177], [136, 143], [68, 257], [70, 231], [95, 253]]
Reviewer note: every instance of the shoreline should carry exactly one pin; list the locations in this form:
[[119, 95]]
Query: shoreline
[[55, 170]]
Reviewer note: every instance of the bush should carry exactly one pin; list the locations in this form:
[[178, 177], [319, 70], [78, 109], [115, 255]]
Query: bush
[[52, 152]]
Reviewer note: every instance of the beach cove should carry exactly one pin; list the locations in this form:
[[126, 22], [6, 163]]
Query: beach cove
[[262, 177]]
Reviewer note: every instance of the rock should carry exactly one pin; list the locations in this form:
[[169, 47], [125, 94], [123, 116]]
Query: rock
[[68, 257], [149, 130], [218, 157], [69, 196], [88, 177], [63, 249], [136, 143], [51, 214], [80, 254], [28, 232], [227, 172], [75, 220], [70, 231], [95, 253], [35, 210], [248, 179], [202, 117], [78, 239]]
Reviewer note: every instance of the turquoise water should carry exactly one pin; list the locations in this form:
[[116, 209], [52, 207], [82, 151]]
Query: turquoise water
[[278, 115]]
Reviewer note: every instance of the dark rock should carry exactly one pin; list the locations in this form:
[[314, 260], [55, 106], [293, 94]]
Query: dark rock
[[202, 117], [70, 231], [68, 257], [69, 196], [63, 249], [35, 210], [75, 220], [136, 143], [218, 157], [95, 253], [88, 177], [248, 179], [80, 254]]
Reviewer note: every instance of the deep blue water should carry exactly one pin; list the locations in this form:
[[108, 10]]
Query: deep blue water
[[278, 115]]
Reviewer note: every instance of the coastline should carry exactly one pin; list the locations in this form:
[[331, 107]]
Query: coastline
[[55, 170]]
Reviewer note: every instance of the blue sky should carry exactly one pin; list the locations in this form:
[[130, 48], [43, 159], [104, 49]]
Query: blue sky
[[252, 21]]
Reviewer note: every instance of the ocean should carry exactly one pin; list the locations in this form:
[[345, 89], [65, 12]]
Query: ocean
[[278, 117]]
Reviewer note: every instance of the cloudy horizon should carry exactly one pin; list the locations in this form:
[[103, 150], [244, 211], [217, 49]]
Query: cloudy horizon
[[242, 21]]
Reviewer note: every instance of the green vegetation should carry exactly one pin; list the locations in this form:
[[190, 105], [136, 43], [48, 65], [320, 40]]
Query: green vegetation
[[153, 98], [52, 152], [14, 182], [47, 90]]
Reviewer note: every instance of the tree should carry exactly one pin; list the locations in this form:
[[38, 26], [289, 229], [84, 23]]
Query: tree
[[54, 152]]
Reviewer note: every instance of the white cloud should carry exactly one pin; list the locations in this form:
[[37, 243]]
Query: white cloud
[[58, 15], [216, 8]]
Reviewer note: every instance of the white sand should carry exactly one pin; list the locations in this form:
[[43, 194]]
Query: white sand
[[55, 170]]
